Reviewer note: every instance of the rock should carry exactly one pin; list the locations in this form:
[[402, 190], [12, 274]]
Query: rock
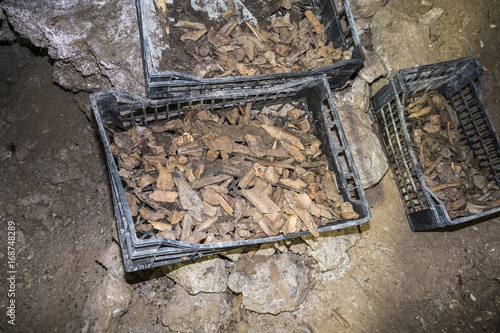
[[330, 249], [37, 212], [20, 242], [362, 26], [281, 246], [270, 284], [357, 95], [366, 8], [33, 198], [65, 174], [106, 305], [40, 234], [233, 255], [83, 100], [207, 275], [266, 249], [371, 163], [431, 16], [21, 153], [373, 67], [201, 313], [111, 259], [95, 45], [5, 151], [298, 246], [6, 35], [10, 209], [53, 223], [401, 40]]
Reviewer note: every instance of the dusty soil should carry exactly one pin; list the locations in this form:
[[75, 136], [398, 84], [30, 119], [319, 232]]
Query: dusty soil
[[55, 188]]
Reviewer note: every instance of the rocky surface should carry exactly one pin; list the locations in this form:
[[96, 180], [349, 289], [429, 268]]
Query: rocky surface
[[373, 68], [209, 276], [106, 305], [366, 8], [111, 259], [270, 284], [351, 105], [399, 39], [6, 35], [95, 45], [203, 312], [330, 249]]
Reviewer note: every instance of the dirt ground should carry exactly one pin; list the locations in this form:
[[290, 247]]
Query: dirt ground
[[55, 188]]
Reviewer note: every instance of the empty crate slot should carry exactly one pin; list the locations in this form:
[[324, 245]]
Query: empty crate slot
[[346, 167], [337, 143], [353, 191]]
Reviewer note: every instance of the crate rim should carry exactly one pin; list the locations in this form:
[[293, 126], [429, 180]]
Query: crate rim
[[179, 79], [148, 248]]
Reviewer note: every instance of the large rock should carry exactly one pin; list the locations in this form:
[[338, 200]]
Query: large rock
[[366, 8], [270, 284], [201, 313], [209, 276], [401, 39], [330, 249], [94, 44], [367, 151], [106, 305]]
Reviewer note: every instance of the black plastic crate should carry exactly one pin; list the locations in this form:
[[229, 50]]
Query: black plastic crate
[[160, 82], [117, 111], [460, 82]]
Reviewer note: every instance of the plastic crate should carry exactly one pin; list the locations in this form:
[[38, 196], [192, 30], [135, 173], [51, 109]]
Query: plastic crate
[[160, 82], [117, 111], [460, 82]]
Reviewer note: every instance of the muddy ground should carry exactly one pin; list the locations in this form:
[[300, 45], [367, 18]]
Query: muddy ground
[[55, 188]]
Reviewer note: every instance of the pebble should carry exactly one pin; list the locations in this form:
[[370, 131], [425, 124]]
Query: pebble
[[40, 234], [10, 209], [52, 223], [22, 153]]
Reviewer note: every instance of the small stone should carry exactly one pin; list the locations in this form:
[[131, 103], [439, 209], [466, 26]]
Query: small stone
[[298, 247], [71, 173], [373, 67], [111, 258], [431, 16], [5, 152], [52, 223], [203, 313], [357, 95], [266, 249], [10, 209], [37, 212], [40, 234], [208, 275], [62, 154], [330, 249], [22, 153]]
